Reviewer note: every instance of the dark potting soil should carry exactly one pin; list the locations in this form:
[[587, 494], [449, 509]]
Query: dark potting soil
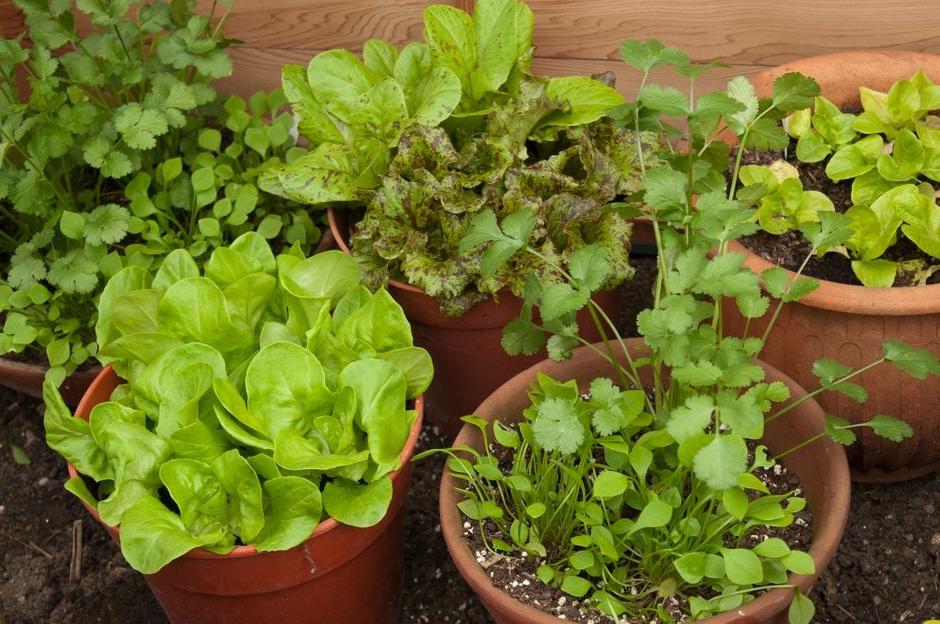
[[38, 357], [790, 249], [637, 294]]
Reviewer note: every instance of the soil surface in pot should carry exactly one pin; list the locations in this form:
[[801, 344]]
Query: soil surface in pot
[[885, 571], [788, 250]]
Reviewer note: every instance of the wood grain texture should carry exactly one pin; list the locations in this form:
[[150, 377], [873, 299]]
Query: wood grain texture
[[736, 31], [322, 24], [11, 20], [261, 69], [580, 36]]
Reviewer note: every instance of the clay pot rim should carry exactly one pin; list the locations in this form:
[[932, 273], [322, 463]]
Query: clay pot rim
[[853, 57], [835, 296], [480, 583], [855, 299], [344, 247], [84, 410]]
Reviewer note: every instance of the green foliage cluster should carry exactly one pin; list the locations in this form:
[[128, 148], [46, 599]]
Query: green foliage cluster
[[262, 396], [117, 151], [891, 153], [428, 136], [208, 196], [628, 499]]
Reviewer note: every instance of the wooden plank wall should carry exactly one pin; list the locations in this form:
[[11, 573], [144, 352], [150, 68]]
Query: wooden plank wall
[[582, 36], [11, 20]]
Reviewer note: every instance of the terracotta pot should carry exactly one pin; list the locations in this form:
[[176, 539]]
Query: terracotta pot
[[469, 359], [27, 379], [643, 235], [341, 574], [850, 323], [821, 468]]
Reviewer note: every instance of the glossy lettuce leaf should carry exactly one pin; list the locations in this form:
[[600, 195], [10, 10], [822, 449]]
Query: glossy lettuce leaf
[[249, 387]]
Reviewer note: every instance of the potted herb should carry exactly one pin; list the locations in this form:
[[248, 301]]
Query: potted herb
[[248, 444], [425, 138], [116, 152], [865, 148], [651, 480]]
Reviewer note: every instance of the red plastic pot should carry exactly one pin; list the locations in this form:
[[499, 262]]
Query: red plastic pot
[[469, 359], [821, 467], [341, 574], [27, 379], [850, 323]]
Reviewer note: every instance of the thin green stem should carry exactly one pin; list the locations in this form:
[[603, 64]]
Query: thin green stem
[[802, 444], [218, 27], [780, 302], [809, 395]]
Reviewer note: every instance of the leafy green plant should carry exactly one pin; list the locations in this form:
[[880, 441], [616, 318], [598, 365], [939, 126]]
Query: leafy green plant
[[208, 196], [647, 487], [891, 153], [118, 152], [429, 136], [261, 397], [784, 206]]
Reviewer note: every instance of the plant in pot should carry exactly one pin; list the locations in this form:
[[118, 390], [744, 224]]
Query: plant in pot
[[423, 139], [674, 477], [866, 148], [116, 152], [247, 445]]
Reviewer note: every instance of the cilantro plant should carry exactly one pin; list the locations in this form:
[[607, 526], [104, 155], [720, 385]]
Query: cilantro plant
[[428, 136], [891, 153], [118, 152], [648, 487], [208, 196], [262, 396]]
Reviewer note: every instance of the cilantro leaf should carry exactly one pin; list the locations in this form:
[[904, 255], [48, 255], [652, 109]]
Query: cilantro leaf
[[557, 427], [918, 363], [890, 428], [560, 299], [838, 429], [107, 224], [24, 272], [74, 273], [140, 127], [522, 337], [742, 90], [559, 346], [793, 91], [691, 418], [645, 55], [720, 462]]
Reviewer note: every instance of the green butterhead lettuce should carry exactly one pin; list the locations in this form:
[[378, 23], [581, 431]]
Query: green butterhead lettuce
[[260, 391], [891, 153]]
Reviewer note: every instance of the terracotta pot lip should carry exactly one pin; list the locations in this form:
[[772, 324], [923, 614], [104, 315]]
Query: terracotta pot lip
[[856, 57], [84, 410], [855, 299], [480, 582], [344, 247]]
